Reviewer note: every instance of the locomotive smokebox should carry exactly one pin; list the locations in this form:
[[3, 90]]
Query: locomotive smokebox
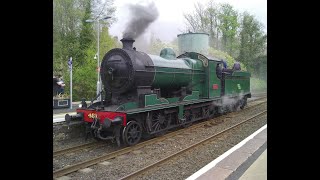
[[127, 43]]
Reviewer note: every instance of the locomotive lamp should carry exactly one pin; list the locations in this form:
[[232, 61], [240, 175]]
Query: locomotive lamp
[[83, 104]]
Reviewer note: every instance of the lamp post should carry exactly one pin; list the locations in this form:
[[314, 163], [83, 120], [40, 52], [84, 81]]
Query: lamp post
[[98, 54]]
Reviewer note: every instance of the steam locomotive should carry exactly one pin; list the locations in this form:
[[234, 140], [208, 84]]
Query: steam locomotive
[[148, 94]]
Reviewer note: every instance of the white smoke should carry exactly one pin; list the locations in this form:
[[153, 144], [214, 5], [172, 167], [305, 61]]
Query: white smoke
[[227, 101]]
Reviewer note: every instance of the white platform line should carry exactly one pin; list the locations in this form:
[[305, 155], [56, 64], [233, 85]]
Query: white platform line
[[224, 155], [58, 120], [63, 114]]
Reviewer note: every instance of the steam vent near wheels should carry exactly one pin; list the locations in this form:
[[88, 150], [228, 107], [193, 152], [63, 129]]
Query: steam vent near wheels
[[193, 42]]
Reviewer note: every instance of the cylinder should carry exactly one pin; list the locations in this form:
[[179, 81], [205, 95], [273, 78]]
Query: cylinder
[[193, 42]]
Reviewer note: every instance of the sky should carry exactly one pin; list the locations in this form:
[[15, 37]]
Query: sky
[[171, 22]]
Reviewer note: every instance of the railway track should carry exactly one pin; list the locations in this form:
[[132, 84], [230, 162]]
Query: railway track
[[90, 162], [77, 148], [145, 169]]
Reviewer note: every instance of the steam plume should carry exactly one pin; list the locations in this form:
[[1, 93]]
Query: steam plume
[[140, 18]]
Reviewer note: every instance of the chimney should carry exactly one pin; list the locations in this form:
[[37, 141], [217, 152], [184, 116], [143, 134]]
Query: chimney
[[127, 43]]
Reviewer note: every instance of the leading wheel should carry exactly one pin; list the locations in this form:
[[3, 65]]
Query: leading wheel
[[131, 134]]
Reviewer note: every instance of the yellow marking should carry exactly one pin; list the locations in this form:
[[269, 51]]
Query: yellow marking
[[92, 115]]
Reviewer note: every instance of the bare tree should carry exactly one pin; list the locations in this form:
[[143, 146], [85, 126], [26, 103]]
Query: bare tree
[[205, 19]]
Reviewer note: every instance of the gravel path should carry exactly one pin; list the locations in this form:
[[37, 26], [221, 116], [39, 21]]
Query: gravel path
[[128, 163]]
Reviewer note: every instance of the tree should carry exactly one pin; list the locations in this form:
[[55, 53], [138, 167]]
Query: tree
[[243, 40], [66, 27], [85, 77], [86, 35], [228, 25], [106, 41], [156, 45], [100, 10], [252, 42], [204, 20], [212, 14], [215, 20], [73, 37]]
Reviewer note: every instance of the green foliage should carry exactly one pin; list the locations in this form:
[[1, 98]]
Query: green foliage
[[252, 43], [86, 36], [156, 45], [84, 78], [76, 38], [260, 67], [240, 35], [228, 26], [258, 85], [106, 42], [223, 55]]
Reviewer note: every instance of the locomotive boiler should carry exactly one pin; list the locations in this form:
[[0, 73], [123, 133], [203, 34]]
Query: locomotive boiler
[[127, 73]]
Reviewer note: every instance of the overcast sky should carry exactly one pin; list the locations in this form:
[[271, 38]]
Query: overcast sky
[[171, 21]]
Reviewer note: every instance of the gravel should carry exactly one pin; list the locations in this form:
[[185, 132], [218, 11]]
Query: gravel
[[70, 143], [82, 155], [128, 163], [187, 164]]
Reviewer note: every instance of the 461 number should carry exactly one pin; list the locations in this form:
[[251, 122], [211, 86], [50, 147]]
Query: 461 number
[[92, 115]]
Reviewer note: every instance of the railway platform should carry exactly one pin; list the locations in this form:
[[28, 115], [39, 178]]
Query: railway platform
[[245, 161], [75, 105]]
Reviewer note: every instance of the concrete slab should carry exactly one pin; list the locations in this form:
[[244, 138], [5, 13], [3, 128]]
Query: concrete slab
[[234, 160], [252, 146], [262, 135], [215, 173], [258, 170], [86, 170]]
